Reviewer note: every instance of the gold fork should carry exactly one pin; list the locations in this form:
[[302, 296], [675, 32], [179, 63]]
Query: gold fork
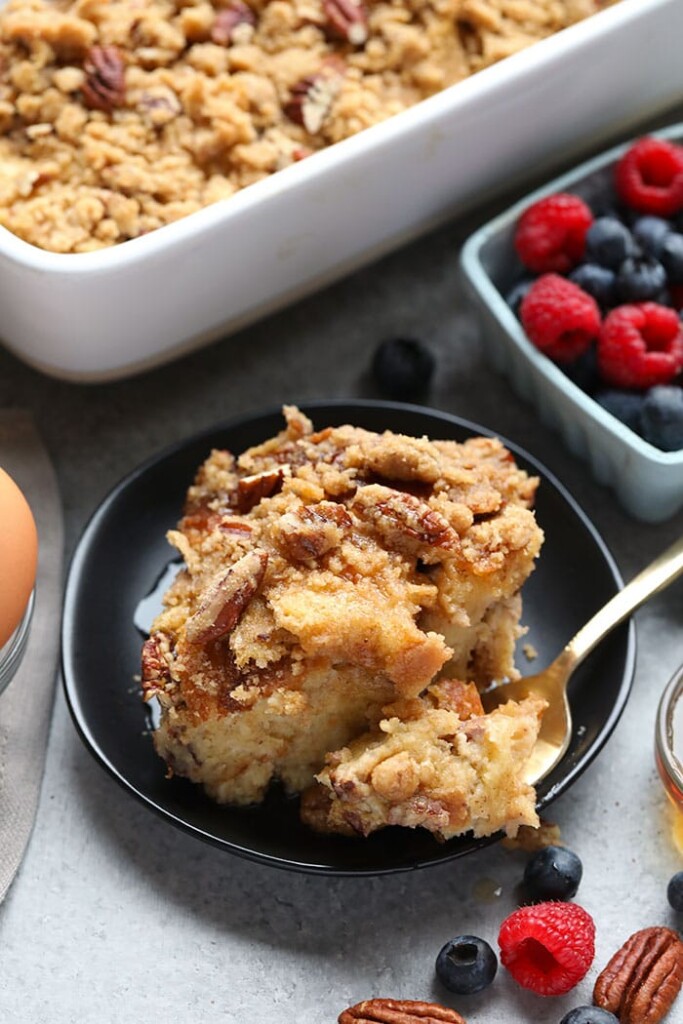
[[551, 683]]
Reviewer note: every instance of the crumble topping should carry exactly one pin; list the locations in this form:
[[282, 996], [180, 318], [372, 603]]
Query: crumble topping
[[339, 585], [120, 116]]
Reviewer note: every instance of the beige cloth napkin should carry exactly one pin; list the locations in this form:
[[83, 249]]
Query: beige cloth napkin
[[26, 705]]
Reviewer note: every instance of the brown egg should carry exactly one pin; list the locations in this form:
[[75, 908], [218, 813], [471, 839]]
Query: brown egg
[[18, 555]]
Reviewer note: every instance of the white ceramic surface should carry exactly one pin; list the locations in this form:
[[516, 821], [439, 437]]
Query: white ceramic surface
[[647, 481], [108, 314]]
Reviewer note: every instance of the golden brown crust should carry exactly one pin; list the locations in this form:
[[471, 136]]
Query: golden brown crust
[[118, 117]]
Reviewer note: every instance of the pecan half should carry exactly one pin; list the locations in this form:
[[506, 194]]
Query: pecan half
[[403, 520], [312, 530], [104, 87], [227, 26], [399, 1011], [250, 489], [225, 598], [643, 978], [156, 674], [347, 19], [311, 99]]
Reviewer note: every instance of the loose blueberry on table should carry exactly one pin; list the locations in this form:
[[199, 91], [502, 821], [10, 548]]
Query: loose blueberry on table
[[607, 299], [402, 368], [466, 965], [589, 1015], [674, 892], [554, 873]]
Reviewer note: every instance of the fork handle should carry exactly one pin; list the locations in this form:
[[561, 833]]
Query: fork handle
[[655, 577]]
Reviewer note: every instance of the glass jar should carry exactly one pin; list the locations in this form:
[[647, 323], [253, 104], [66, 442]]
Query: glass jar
[[13, 651], [669, 738]]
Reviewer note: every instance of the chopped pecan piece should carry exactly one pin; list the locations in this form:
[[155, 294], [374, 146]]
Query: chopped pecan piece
[[403, 520], [227, 26], [250, 489], [347, 19], [159, 105], [311, 99], [643, 978], [399, 1011], [104, 87], [236, 526], [225, 598], [156, 674], [312, 530], [455, 695]]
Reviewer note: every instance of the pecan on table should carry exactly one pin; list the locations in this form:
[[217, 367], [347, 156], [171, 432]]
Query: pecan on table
[[643, 978], [347, 19], [225, 598], [104, 87], [399, 1011]]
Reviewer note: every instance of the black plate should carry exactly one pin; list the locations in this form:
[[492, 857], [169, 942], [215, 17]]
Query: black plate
[[122, 553]]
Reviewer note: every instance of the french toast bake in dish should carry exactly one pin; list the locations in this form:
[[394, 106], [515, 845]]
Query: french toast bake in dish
[[344, 596], [120, 116]]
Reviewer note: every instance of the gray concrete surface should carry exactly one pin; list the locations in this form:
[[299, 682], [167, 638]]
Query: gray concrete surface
[[115, 917]]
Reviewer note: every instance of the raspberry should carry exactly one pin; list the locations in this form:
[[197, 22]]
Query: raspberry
[[649, 177], [559, 317], [548, 947], [551, 234], [640, 346]]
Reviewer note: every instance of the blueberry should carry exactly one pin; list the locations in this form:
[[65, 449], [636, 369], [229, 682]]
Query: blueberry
[[662, 417], [517, 292], [672, 257], [584, 371], [663, 298], [649, 233], [674, 892], [626, 406], [553, 873], [466, 965], [640, 279], [589, 1015], [609, 242], [402, 368], [596, 280]]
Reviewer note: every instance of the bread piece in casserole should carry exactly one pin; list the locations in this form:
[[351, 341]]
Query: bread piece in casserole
[[442, 766], [328, 575]]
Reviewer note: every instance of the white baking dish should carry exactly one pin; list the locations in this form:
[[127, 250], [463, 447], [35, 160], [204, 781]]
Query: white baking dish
[[108, 314]]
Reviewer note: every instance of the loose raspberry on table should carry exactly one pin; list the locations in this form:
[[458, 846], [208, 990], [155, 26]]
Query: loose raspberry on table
[[559, 318], [549, 947], [640, 346], [551, 234], [649, 177]]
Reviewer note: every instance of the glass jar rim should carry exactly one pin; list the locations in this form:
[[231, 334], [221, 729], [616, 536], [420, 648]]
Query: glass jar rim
[[13, 651], [666, 757]]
